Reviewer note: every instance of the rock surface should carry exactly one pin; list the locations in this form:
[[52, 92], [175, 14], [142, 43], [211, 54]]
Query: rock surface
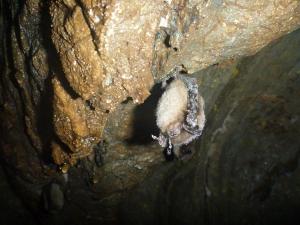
[[106, 50], [74, 72], [246, 170], [202, 33], [107, 54]]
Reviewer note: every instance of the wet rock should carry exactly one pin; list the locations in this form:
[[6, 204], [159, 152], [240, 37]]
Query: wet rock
[[24, 90], [105, 48], [78, 126], [107, 54], [72, 73], [246, 169]]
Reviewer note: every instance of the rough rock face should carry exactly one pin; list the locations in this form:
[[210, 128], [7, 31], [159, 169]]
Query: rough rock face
[[24, 89], [107, 54], [201, 33], [106, 50], [246, 170], [77, 125], [77, 96]]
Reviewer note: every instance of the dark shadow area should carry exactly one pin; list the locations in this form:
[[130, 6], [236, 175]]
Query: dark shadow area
[[13, 208], [145, 120], [45, 109], [53, 58], [8, 62]]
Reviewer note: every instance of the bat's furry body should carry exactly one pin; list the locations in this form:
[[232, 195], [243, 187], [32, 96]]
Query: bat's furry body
[[180, 113], [172, 107]]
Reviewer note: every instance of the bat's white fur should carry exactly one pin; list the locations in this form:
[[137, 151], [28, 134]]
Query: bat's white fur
[[179, 114], [172, 107]]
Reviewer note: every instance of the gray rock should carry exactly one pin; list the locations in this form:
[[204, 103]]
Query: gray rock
[[246, 168]]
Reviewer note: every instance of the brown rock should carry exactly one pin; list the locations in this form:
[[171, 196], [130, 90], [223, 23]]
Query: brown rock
[[202, 33], [78, 126], [106, 52]]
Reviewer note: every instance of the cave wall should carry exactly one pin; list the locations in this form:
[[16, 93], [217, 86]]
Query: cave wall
[[246, 169], [79, 86]]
